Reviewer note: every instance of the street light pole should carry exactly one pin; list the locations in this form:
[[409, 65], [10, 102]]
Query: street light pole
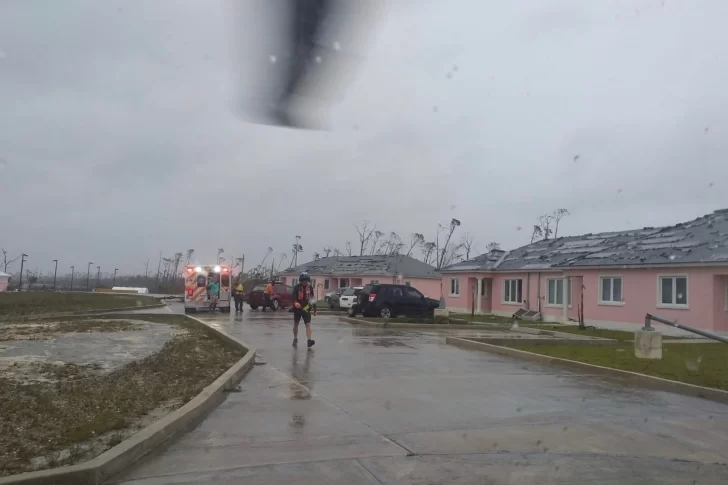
[[73, 271], [88, 274], [98, 275], [22, 262], [114, 283], [55, 273]]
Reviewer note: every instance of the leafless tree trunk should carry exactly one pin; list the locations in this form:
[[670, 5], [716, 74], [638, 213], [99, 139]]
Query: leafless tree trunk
[[545, 222], [337, 252], [536, 234], [190, 253], [427, 250], [417, 239], [454, 223], [7, 263], [492, 246], [348, 247], [219, 252], [365, 234], [466, 242], [376, 235], [557, 216], [327, 251]]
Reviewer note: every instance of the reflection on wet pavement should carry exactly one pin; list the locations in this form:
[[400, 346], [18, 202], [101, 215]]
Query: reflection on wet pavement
[[381, 406]]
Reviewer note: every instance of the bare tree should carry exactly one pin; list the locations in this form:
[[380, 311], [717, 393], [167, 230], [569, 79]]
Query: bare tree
[[316, 256], [348, 248], [190, 253], [7, 263], [557, 216], [393, 244], [337, 251], [545, 222], [327, 251], [297, 248], [454, 224], [453, 255], [492, 246], [428, 249], [466, 242], [219, 252], [283, 257], [177, 261], [416, 240], [376, 235], [365, 234], [536, 234]]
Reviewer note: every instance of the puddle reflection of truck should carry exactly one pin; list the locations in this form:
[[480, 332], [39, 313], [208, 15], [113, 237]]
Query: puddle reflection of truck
[[197, 281]]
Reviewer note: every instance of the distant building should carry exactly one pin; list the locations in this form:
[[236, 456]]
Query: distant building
[[4, 281], [334, 272], [677, 272]]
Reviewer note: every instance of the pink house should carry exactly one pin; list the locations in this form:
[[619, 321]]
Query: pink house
[[334, 272], [677, 272], [4, 281]]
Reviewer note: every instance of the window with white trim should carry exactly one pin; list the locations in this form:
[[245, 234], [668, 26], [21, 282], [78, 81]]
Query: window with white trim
[[513, 291], [673, 291], [454, 287], [610, 289], [374, 282], [555, 294]]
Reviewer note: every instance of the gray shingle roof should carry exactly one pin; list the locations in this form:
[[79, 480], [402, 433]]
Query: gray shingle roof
[[484, 262], [703, 240], [368, 265]]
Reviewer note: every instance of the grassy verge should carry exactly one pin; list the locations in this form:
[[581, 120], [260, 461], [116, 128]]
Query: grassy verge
[[22, 304], [699, 364], [46, 330], [481, 318], [424, 321], [79, 412], [620, 335]]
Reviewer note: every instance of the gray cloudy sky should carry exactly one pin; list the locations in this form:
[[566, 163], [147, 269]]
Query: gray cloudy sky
[[116, 127]]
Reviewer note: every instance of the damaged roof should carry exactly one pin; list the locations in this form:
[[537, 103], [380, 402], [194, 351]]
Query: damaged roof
[[368, 265], [484, 262], [702, 240]]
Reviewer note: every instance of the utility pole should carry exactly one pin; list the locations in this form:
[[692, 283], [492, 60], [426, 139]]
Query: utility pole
[[73, 271], [114, 283], [159, 268], [272, 265], [98, 275], [55, 273], [88, 273], [22, 262]]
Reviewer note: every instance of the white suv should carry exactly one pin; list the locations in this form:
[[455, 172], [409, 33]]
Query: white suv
[[349, 297]]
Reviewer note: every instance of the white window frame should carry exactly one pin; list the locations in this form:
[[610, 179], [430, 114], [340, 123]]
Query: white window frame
[[601, 282], [373, 282], [566, 280], [507, 281], [675, 306], [456, 291]]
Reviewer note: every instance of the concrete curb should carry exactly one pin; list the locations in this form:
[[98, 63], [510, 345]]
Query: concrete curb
[[423, 326], [92, 312], [124, 454], [644, 380]]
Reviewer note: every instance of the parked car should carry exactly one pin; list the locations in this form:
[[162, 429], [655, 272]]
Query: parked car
[[349, 297], [282, 296], [332, 297], [388, 301]]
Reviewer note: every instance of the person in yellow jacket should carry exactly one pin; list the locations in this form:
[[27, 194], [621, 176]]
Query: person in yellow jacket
[[239, 296]]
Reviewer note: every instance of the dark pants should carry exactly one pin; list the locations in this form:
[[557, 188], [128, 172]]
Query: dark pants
[[238, 303], [267, 302], [298, 314]]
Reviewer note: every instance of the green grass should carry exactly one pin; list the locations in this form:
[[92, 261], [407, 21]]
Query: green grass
[[57, 421], [29, 303], [699, 364], [620, 335], [481, 318]]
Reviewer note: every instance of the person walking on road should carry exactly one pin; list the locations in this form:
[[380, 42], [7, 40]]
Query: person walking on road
[[239, 297], [303, 304], [213, 292], [267, 296]]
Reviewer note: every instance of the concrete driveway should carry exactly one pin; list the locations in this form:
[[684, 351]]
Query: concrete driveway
[[377, 406]]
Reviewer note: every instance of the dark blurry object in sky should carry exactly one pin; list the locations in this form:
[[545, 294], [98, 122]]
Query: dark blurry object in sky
[[294, 55]]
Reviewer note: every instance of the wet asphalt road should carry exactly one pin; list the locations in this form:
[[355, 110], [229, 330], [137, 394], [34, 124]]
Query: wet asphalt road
[[377, 406]]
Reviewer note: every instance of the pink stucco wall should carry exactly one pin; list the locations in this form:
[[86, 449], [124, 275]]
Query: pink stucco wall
[[3, 283], [706, 295], [428, 286]]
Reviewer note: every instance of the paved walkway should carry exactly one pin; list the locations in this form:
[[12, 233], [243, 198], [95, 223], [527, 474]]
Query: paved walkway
[[379, 406]]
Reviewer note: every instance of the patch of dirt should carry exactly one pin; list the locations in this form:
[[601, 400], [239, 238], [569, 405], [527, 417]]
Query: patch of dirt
[[45, 330], [71, 413]]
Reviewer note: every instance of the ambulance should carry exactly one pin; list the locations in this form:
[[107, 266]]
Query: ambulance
[[197, 279]]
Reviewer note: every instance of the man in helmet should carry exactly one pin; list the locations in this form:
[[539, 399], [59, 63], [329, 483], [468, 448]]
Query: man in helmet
[[304, 303]]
